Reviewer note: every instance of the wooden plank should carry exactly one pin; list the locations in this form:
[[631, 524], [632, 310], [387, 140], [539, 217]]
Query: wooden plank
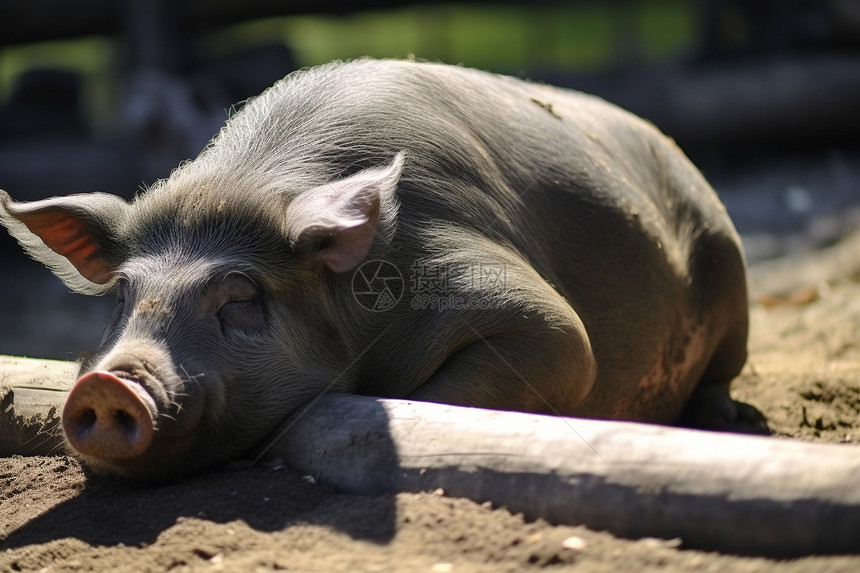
[[31, 395]]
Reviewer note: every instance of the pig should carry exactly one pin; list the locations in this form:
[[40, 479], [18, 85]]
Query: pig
[[533, 248]]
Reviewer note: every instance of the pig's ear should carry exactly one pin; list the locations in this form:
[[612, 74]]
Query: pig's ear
[[336, 223], [74, 236]]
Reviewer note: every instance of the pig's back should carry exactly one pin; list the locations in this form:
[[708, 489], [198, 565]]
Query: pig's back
[[486, 151]]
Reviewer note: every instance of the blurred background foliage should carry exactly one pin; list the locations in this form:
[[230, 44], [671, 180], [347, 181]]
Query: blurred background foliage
[[514, 38], [507, 38]]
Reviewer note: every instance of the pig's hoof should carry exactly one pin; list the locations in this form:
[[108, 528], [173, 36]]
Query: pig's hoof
[[711, 408], [108, 418]]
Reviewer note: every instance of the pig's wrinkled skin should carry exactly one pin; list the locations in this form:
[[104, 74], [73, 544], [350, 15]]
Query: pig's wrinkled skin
[[623, 297]]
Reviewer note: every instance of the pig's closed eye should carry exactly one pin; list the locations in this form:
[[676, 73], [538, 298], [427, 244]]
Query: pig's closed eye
[[242, 310]]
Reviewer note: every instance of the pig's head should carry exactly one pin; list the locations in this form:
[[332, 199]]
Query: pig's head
[[223, 323]]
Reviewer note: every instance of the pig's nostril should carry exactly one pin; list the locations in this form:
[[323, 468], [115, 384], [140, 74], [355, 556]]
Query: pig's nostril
[[125, 421], [85, 419]]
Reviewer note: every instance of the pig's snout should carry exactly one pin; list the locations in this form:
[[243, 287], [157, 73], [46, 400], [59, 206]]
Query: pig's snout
[[108, 418]]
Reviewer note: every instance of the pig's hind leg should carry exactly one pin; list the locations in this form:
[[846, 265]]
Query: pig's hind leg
[[711, 406], [719, 273]]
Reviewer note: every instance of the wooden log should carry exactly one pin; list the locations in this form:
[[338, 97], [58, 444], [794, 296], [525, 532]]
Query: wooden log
[[732, 493], [31, 394]]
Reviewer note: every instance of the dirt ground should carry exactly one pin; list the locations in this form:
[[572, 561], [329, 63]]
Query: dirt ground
[[803, 373]]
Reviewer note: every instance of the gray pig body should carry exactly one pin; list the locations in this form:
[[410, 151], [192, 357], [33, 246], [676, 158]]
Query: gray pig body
[[586, 267]]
